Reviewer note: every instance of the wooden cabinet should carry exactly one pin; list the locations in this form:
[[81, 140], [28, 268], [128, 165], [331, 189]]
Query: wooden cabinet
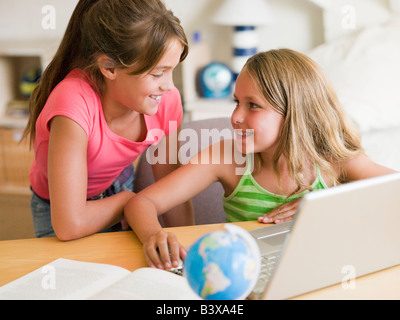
[[15, 162], [15, 158]]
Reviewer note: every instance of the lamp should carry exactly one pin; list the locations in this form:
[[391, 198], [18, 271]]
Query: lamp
[[244, 16]]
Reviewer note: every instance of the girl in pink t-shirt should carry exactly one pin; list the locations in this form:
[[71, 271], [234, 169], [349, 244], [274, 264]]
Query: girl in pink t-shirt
[[96, 108]]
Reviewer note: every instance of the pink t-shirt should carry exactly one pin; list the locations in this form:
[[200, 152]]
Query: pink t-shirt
[[107, 153]]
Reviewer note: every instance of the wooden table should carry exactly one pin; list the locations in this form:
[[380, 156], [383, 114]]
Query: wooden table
[[19, 257]]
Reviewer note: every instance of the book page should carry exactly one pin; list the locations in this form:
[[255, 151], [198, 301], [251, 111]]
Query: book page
[[63, 279], [149, 284]]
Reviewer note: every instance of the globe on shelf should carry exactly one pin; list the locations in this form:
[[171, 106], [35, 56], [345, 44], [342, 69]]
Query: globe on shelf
[[223, 265], [215, 81]]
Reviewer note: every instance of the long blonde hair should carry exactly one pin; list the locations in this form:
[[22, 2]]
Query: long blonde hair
[[316, 129], [132, 33]]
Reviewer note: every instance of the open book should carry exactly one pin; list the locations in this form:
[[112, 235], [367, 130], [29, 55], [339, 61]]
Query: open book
[[69, 279]]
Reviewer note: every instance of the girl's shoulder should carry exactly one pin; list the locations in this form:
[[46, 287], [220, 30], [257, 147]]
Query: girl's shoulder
[[360, 167], [76, 86], [73, 98], [225, 160]]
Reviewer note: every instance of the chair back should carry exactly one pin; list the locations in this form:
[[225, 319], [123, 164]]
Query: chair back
[[208, 205]]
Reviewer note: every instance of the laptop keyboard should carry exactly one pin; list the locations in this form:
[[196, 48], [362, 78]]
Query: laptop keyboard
[[268, 262]]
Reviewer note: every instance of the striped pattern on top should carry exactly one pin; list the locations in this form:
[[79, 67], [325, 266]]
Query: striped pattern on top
[[249, 200]]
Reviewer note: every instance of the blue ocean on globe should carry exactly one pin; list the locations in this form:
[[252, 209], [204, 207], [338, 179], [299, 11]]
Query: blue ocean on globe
[[223, 265]]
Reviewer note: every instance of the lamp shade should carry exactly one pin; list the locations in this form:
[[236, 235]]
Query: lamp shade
[[243, 13]]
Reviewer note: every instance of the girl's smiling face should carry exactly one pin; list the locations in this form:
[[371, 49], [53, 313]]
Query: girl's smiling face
[[257, 124], [143, 93]]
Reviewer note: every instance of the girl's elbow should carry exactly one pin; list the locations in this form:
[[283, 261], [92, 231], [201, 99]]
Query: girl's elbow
[[68, 230], [66, 236]]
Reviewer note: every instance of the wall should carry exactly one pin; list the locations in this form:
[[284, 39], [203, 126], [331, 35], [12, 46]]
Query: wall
[[298, 24], [22, 19]]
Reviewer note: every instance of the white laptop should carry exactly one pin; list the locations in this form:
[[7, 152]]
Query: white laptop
[[355, 225]]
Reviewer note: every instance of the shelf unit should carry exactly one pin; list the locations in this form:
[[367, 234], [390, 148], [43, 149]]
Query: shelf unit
[[16, 57], [203, 108]]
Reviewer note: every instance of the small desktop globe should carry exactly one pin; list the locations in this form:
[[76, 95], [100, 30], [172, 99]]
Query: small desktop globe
[[223, 265]]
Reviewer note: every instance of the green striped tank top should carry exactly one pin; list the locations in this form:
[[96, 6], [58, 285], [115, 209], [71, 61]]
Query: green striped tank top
[[249, 200]]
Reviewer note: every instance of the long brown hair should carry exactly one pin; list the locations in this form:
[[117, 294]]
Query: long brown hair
[[132, 33], [316, 129]]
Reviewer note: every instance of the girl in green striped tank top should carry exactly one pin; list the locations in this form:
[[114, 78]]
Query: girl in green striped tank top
[[249, 200], [287, 119]]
